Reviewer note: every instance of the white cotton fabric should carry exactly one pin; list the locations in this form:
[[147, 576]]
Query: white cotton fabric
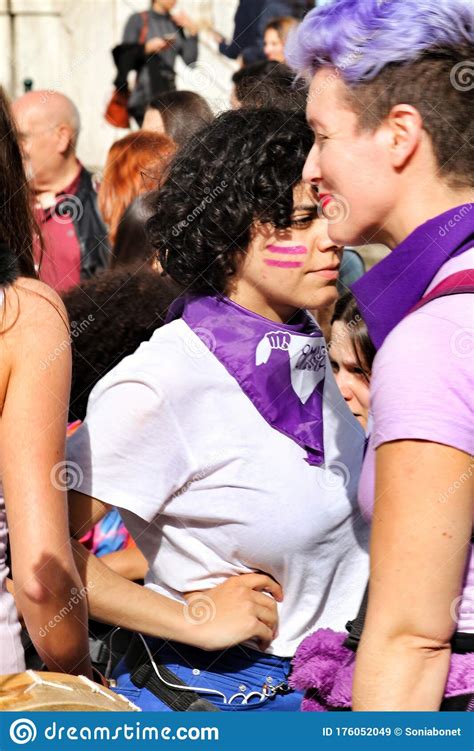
[[209, 489]]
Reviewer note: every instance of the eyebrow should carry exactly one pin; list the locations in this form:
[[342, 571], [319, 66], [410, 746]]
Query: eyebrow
[[311, 208]]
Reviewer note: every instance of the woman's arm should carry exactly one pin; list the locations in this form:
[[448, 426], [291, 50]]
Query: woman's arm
[[231, 613], [418, 556], [130, 563], [36, 349]]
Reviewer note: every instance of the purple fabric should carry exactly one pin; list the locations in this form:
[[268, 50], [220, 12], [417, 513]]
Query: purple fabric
[[362, 37], [280, 367], [392, 288], [324, 669]]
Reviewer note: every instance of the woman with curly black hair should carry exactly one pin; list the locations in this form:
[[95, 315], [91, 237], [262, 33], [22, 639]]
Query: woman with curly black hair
[[224, 439]]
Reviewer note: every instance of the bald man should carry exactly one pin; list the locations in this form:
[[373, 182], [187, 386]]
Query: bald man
[[74, 235]]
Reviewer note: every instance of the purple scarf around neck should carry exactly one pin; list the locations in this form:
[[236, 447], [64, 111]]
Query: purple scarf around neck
[[280, 367], [393, 287]]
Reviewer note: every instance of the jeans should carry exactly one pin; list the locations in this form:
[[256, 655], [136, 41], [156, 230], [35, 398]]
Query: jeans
[[237, 672]]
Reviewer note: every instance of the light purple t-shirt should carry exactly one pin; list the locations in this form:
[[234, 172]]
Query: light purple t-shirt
[[423, 388]]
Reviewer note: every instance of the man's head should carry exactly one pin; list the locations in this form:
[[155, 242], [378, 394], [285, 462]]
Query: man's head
[[163, 6], [48, 126], [390, 104]]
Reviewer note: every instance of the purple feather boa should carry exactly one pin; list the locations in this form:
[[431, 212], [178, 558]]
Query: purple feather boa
[[324, 669]]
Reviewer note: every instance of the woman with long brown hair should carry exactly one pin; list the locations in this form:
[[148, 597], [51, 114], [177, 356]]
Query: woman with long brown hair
[[35, 366]]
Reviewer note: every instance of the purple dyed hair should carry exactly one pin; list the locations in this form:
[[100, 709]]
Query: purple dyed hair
[[360, 37]]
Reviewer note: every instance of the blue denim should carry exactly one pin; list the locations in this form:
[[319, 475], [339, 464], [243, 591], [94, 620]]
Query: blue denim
[[238, 670]]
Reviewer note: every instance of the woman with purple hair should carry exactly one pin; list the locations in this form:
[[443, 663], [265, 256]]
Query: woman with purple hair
[[391, 108]]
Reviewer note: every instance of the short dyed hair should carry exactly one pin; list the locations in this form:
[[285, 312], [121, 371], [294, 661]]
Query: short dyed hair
[[387, 52]]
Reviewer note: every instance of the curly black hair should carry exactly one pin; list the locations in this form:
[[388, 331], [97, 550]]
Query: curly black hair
[[111, 315], [240, 169]]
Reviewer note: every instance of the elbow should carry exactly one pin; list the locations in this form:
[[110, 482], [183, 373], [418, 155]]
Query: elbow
[[425, 646]]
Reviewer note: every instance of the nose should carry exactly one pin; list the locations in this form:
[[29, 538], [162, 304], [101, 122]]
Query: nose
[[324, 243], [311, 169], [344, 386]]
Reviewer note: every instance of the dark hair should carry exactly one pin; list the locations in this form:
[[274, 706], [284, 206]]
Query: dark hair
[[282, 25], [241, 169], [183, 114], [425, 83], [347, 311], [110, 316], [132, 243], [17, 223], [269, 84]]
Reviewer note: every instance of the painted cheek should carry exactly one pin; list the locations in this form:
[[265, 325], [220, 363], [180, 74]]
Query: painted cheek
[[283, 264], [290, 250]]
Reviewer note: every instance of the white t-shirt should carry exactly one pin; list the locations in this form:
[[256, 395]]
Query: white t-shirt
[[209, 489]]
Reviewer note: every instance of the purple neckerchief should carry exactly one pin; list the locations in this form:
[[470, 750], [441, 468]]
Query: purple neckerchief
[[393, 287], [280, 367]]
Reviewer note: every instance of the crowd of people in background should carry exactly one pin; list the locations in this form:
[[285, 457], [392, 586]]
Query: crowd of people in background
[[238, 421]]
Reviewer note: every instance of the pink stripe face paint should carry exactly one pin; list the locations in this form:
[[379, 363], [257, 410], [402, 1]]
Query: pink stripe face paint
[[283, 264], [290, 250], [285, 250]]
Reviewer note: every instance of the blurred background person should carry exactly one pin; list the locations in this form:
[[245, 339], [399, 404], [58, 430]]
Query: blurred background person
[[275, 36], [163, 36], [351, 354], [251, 19], [65, 199], [177, 114], [268, 84], [245, 39], [132, 245], [135, 165]]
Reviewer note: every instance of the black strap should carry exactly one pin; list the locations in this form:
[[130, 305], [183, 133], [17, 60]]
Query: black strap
[[179, 701], [143, 675], [461, 642], [356, 626]]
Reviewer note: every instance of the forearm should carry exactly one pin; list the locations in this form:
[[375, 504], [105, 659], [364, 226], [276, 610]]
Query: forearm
[[146, 611], [129, 563], [56, 619], [403, 673]]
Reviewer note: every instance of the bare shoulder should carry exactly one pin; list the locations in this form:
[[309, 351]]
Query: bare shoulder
[[33, 305]]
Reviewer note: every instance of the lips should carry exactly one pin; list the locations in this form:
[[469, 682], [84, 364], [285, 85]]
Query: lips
[[324, 199]]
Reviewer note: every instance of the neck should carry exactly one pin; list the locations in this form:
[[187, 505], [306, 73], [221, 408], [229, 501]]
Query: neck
[[56, 183], [419, 204], [158, 8], [252, 299]]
